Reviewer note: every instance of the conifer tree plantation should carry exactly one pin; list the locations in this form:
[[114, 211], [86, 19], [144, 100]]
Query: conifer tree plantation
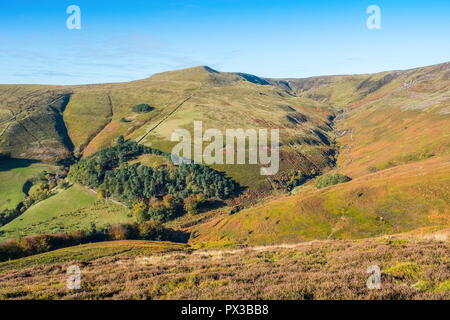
[[163, 193]]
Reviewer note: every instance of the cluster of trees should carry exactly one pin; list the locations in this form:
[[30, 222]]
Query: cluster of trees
[[297, 178], [43, 188], [7, 215], [154, 193], [91, 170], [169, 207], [330, 180], [31, 245], [142, 108]]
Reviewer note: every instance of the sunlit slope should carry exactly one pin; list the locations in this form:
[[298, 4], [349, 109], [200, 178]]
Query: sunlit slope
[[406, 121], [76, 208], [48, 122], [387, 131], [95, 115], [393, 137], [232, 101], [106, 110], [13, 176], [31, 122], [382, 120], [395, 200]]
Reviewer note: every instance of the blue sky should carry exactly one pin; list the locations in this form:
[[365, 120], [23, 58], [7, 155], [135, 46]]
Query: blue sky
[[129, 40]]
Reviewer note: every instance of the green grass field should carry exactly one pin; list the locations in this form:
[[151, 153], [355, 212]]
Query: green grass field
[[73, 209], [13, 175]]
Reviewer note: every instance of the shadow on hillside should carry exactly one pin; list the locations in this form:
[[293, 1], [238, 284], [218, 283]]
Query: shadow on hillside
[[211, 205], [12, 163], [177, 236]]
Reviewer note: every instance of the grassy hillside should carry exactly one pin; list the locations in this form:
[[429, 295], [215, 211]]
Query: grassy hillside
[[227, 100], [96, 115], [13, 176], [406, 121], [393, 133], [378, 111], [384, 119], [32, 124], [396, 200], [412, 267], [389, 132], [73, 209]]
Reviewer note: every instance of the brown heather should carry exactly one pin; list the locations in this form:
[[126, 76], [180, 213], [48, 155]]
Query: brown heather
[[411, 269]]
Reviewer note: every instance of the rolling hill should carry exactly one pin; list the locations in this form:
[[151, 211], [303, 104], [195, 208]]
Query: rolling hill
[[371, 112], [92, 118], [14, 175], [400, 199], [73, 209], [388, 132]]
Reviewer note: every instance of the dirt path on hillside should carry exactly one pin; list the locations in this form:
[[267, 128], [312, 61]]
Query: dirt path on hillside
[[164, 119], [106, 199], [426, 233]]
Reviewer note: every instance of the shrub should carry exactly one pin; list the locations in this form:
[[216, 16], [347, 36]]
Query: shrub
[[150, 230], [8, 215], [330, 180], [10, 250], [296, 179], [140, 211], [119, 232], [372, 169], [142, 108], [64, 184], [194, 203], [159, 213]]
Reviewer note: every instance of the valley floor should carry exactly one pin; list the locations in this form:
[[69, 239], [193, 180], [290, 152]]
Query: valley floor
[[413, 266]]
